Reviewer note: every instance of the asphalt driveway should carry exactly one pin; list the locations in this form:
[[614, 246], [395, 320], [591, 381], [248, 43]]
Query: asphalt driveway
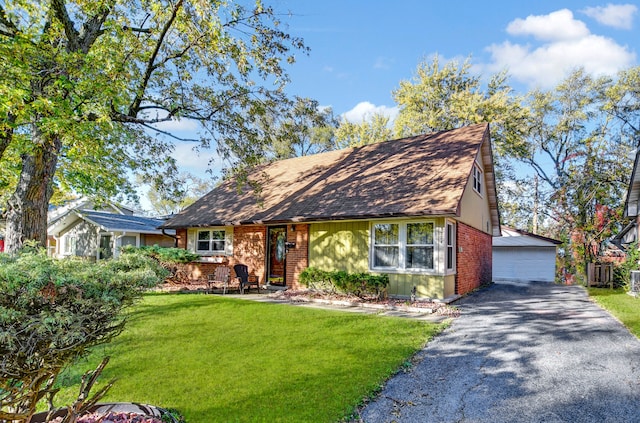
[[520, 353]]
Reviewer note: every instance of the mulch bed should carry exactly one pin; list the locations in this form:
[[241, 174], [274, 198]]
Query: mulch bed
[[418, 306], [337, 299]]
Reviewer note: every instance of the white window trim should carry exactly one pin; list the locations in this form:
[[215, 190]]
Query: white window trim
[[69, 244], [192, 241], [452, 224], [402, 244], [211, 240], [477, 179]]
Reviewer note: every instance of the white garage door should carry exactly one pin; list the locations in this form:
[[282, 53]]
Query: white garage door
[[524, 264]]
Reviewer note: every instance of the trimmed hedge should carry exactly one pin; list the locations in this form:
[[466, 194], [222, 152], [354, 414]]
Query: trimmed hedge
[[362, 285]]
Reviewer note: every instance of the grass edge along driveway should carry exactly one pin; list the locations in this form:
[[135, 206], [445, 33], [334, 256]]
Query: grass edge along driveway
[[219, 359], [621, 305]]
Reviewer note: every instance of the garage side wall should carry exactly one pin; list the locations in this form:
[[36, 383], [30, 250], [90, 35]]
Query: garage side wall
[[474, 259]]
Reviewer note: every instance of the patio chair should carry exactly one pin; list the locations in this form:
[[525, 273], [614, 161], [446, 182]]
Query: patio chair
[[220, 277], [246, 281]]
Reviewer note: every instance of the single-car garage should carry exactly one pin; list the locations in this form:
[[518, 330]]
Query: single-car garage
[[522, 256]]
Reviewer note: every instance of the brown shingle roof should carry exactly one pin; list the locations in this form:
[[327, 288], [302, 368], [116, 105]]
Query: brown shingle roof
[[416, 176]]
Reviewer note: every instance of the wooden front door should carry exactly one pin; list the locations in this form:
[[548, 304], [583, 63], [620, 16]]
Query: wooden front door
[[276, 255]]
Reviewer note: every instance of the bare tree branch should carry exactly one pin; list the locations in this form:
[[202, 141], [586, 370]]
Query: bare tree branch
[[137, 101]]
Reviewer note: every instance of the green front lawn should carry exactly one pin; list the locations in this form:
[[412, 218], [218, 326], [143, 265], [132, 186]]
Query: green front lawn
[[625, 307], [219, 359]]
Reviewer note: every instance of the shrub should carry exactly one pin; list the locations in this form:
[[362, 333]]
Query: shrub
[[362, 285], [165, 254], [52, 311], [622, 271]]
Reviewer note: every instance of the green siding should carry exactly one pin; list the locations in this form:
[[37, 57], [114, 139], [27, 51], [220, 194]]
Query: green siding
[[431, 286], [345, 246], [339, 246]]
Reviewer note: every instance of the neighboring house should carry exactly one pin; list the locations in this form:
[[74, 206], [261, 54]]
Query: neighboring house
[[632, 206], [100, 233], [522, 256], [422, 210], [627, 236]]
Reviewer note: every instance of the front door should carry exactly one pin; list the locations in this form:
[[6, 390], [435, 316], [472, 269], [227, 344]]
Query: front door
[[276, 255]]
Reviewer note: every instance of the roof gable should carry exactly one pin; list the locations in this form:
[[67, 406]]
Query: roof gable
[[518, 238], [109, 222], [417, 176]]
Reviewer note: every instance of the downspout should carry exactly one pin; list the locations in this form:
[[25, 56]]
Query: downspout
[[98, 244], [175, 238]]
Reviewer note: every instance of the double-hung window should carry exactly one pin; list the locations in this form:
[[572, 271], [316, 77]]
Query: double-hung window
[[211, 241], [477, 179], [398, 246], [419, 246], [386, 245], [450, 240]]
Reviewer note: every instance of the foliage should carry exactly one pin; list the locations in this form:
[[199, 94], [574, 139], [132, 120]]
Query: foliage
[[622, 271], [361, 285], [310, 356], [166, 199], [164, 254], [580, 155], [440, 98], [83, 81], [52, 311], [304, 129], [623, 306], [373, 129]]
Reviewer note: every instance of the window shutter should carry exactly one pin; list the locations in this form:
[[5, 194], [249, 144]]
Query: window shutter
[[191, 239], [228, 241]]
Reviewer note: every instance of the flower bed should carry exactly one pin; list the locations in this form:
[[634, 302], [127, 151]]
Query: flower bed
[[417, 306], [117, 412], [113, 417]]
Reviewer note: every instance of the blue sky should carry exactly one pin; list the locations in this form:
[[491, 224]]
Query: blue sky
[[361, 50]]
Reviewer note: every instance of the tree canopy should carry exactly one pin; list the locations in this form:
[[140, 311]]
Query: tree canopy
[[83, 81]]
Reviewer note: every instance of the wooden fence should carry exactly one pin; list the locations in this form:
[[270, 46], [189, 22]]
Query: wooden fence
[[600, 274]]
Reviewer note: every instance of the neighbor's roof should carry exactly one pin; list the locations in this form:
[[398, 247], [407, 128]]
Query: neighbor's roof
[[518, 238], [112, 222], [109, 222], [417, 176]]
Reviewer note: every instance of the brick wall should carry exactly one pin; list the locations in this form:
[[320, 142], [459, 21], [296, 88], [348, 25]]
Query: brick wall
[[297, 257], [160, 240], [181, 235], [249, 247], [473, 262]]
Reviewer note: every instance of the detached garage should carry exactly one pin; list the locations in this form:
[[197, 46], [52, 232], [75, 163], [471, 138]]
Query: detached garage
[[522, 256]]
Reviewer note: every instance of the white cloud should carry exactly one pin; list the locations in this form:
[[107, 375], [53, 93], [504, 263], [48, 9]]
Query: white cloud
[[196, 162], [559, 25], [364, 110], [615, 15], [566, 44], [174, 125]]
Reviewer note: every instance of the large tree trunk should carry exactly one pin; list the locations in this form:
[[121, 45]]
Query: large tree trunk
[[27, 208]]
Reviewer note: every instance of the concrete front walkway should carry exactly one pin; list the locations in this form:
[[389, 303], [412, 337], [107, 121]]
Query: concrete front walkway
[[520, 353]]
